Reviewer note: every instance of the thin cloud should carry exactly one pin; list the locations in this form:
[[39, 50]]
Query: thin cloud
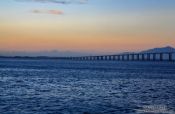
[[53, 12], [56, 1]]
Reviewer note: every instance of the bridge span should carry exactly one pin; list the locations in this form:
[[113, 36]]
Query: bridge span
[[164, 56]]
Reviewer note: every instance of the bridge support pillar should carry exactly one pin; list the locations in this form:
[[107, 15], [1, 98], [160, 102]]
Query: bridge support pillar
[[161, 56], [143, 57], [127, 58], [91, 58], [148, 57], [110, 57], [123, 57], [137, 57], [105, 58], [118, 57], [170, 56], [114, 57], [132, 57], [97, 58], [154, 57]]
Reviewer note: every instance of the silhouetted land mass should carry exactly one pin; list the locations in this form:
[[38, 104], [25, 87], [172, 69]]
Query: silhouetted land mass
[[160, 50]]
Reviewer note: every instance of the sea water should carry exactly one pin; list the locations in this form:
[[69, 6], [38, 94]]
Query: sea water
[[48, 86]]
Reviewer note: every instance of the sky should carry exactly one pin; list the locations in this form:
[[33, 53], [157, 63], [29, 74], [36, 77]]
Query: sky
[[86, 25]]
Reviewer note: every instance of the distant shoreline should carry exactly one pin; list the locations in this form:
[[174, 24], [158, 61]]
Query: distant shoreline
[[27, 57]]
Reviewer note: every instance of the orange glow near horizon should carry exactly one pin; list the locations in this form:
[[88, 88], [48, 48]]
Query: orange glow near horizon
[[88, 43]]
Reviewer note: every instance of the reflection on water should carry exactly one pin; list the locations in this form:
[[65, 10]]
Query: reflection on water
[[72, 87]]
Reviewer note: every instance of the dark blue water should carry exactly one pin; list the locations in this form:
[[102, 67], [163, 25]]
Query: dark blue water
[[84, 87]]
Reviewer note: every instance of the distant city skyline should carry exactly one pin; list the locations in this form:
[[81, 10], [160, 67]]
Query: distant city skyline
[[88, 26]]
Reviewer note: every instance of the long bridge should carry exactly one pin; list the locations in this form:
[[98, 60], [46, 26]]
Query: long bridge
[[164, 56]]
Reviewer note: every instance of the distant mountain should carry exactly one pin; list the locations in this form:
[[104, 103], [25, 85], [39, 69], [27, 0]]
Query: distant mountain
[[158, 50]]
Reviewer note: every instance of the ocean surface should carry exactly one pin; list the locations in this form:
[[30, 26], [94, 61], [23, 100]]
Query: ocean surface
[[29, 86]]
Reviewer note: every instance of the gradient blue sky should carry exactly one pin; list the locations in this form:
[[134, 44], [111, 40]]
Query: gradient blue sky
[[95, 25]]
